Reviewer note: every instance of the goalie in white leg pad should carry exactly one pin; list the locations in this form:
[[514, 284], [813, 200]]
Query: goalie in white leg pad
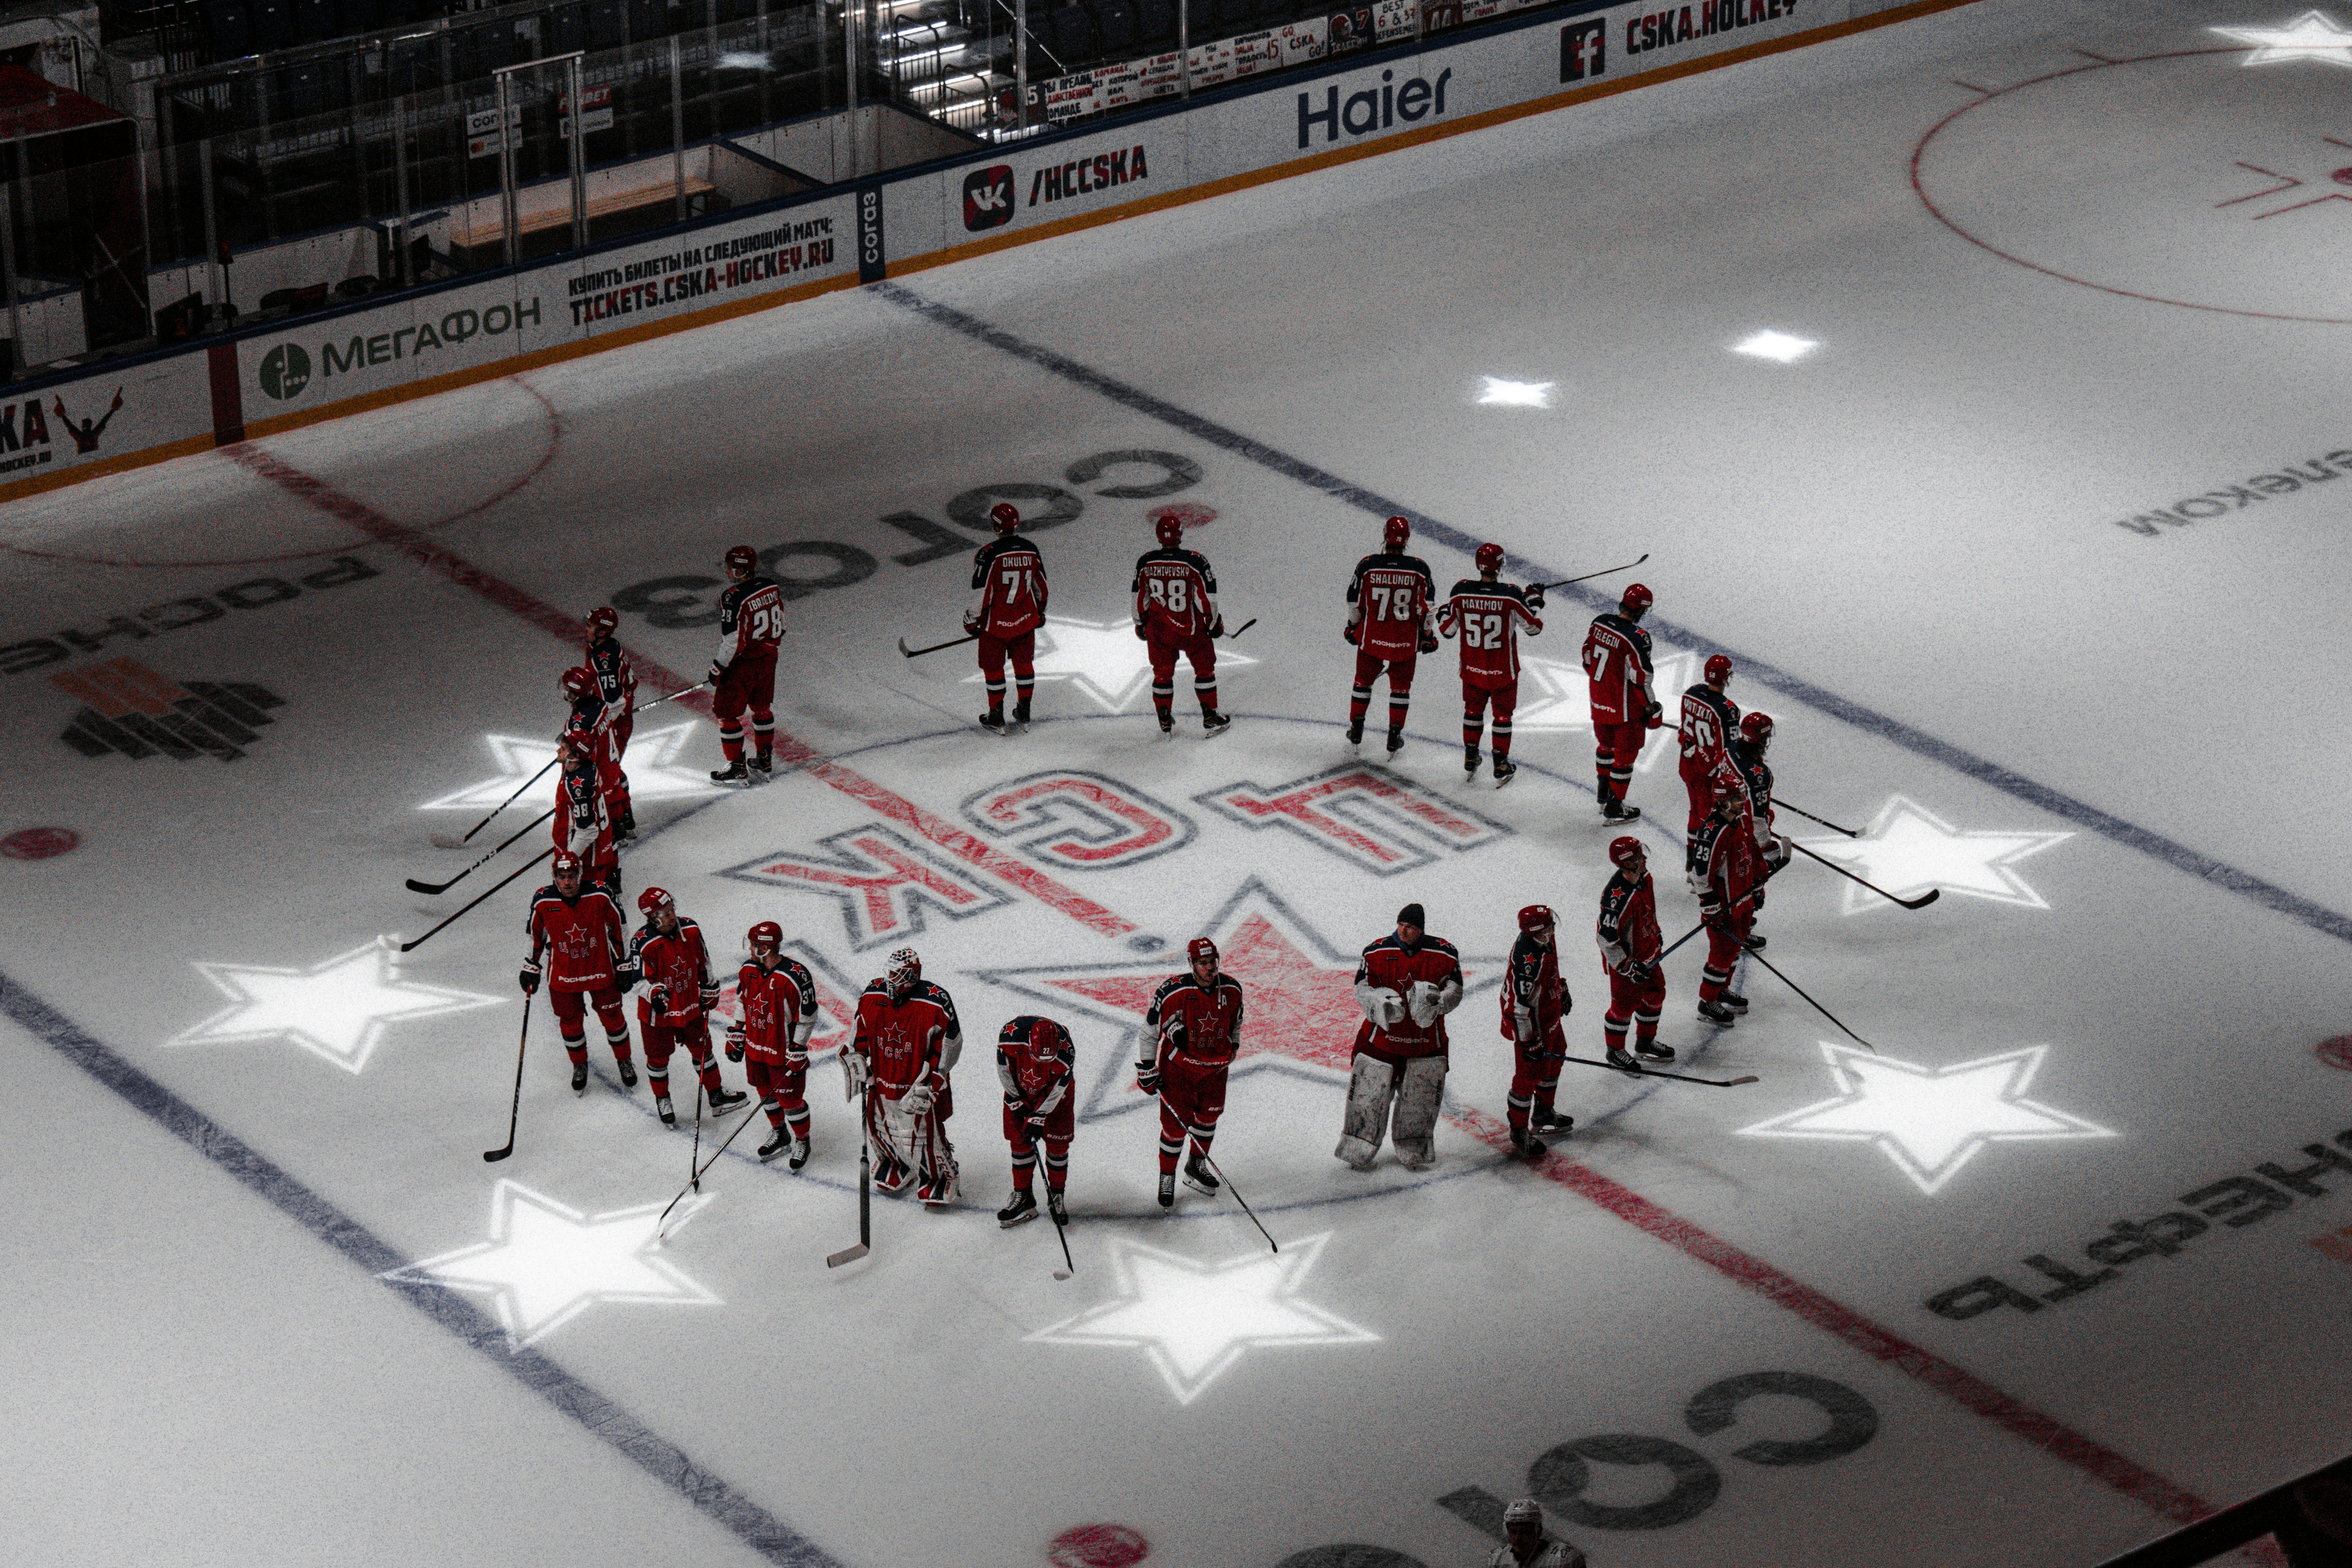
[[1401, 1051], [1366, 1122]]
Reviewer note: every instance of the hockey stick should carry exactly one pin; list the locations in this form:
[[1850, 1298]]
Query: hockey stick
[[668, 697], [694, 1155], [413, 946], [502, 805], [1678, 942], [1242, 628], [1161, 1095], [434, 888], [952, 642], [1922, 902], [694, 1184], [514, 1115], [1816, 1006], [1654, 1072], [866, 1167], [1563, 582], [1825, 822], [1067, 1267]]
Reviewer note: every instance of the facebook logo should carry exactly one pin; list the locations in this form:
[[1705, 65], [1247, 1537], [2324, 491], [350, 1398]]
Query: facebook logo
[[988, 197]]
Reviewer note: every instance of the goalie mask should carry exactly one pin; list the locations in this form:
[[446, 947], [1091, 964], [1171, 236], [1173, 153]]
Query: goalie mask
[[904, 971]]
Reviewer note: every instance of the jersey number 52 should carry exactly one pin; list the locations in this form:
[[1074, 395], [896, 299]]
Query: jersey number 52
[[1482, 631]]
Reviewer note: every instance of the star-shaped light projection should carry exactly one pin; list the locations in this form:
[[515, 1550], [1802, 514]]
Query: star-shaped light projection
[[1497, 392], [545, 1264], [1779, 347], [337, 1010], [1196, 1320], [1930, 1120], [1909, 850], [519, 757], [1104, 660], [2310, 36], [1556, 695]]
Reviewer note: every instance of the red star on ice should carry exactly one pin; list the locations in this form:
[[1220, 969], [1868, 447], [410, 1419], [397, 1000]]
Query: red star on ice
[[1296, 1006]]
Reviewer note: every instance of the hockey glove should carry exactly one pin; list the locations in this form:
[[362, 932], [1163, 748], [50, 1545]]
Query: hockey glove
[[658, 998], [1656, 716], [1351, 633], [735, 1043], [1535, 599], [852, 1073], [529, 979], [1219, 629], [972, 625], [710, 998], [1147, 1077], [627, 976], [1140, 634], [718, 673], [917, 1101], [1428, 642], [1037, 1125], [1635, 971]]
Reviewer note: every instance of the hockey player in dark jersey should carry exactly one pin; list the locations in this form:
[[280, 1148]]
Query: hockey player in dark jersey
[[1191, 1032], [1485, 614], [1038, 1067], [590, 725], [1618, 666], [743, 671], [1176, 613], [1392, 622], [1631, 946], [1008, 606], [1748, 755], [616, 682], [1535, 999]]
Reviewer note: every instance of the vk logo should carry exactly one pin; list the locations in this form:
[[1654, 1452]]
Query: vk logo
[[988, 197]]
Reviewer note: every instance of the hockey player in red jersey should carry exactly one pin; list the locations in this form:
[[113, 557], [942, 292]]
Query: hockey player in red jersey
[[776, 1002], [1392, 620], [1535, 999], [743, 671], [577, 934], [1618, 666], [1191, 1032], [582, 826], [1406, 983], [1038, 1067], [589, 724], [1008, 605], [1727, 875], [1486, 614], [1748, 755], [675, 966], [1631, 947], [1709, 720], [1176, 613], [906, 1040]]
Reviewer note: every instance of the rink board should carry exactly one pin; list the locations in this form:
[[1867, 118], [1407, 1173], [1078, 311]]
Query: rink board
[[273, 378]]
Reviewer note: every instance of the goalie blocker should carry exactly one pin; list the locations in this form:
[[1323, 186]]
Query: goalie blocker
[[1406, 983]]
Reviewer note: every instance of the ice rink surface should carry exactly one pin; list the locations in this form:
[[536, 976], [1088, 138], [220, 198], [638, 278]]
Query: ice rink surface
[[2036, 558]]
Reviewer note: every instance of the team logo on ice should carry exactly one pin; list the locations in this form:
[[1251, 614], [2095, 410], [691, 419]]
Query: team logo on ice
[[1377, 820], [1104, 660], [129, 710], [1930, 1120], [545, 1263], [885, 885], [1194, 1319]]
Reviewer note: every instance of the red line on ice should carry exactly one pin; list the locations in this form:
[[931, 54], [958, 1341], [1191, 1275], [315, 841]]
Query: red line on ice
[[566, 627], [1973, 1394]]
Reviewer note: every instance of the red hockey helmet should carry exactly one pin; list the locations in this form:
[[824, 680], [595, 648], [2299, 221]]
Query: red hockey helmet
[[1394, 532], [767, 934], [1005, 516], [1756, 729], [904, 968], [1490, 557], [1045, 1037], [566, 864], [1625, 851], [578, 681], [603, 618], [1728, 790], [1636, 601], [741, 561], [1201, 947], [652, 899], [1537, 918], [574, 748], [1718, 669], [1167, 530]]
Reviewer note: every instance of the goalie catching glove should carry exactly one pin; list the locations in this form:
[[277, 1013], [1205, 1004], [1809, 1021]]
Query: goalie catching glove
[[917, 1100]]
